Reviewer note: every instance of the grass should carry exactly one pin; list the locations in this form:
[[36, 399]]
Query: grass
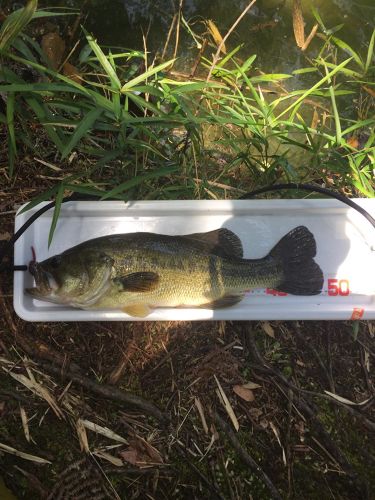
[[142, 132]]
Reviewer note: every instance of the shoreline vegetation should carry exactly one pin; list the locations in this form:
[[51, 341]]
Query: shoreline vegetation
[[124, 123]]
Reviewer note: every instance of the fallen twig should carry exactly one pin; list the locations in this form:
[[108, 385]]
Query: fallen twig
[[110, 392]]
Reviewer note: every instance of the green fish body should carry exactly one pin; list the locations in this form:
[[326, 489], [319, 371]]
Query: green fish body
[[138, 272]]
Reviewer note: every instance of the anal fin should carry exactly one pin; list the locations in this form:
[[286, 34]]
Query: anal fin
[[138, 310]]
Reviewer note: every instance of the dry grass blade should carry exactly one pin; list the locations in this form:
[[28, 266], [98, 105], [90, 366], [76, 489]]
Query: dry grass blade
[[215, 33], [110, 458], [231, 29], [298, 24], [21, 454], [314, 120], [252, 385], [310, 37], [40, 391], [104, 431], [25, 424], [82, 436], [225, 402], [199, 407], [346, 401], [276, 432]]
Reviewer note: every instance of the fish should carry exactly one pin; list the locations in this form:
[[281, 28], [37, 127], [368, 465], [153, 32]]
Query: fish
[[139, 272]]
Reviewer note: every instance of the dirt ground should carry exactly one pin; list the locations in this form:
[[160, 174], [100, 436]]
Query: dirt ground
[[227, 410]]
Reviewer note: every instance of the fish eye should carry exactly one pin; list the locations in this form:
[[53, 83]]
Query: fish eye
[[55, 262]]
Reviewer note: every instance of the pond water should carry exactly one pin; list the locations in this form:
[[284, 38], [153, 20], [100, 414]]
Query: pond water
[[266, 30]]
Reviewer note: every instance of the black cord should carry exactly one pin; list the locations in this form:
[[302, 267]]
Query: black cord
[[82, 197], [7, 248], [316, 189]]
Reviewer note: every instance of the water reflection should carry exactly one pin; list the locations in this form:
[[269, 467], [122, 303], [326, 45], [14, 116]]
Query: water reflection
[[266, 30]]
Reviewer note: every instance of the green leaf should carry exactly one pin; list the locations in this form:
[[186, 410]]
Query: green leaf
[[108, 68], [349, 50], [42, 113], [46, 195], [370, 52], [144, 76], [56, 212], [98, 98], [82, 129], [296, 104], [302, 71], [228, 57], [269, 78], [11, 132], [15, 23], [318, 18], [139, 180]]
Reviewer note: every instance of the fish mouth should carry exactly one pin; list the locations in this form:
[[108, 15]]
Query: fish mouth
[[45, 283]]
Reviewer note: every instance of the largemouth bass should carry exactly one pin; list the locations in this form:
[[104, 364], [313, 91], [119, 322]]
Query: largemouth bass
[[138, 272]]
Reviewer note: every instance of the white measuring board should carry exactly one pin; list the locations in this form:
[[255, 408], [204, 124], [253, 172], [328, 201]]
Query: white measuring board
[[345, 251]]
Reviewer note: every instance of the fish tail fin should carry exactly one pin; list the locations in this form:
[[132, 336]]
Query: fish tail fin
[[301, 274]]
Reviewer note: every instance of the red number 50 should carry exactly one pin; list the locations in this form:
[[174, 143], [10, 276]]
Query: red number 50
[[338, 287]]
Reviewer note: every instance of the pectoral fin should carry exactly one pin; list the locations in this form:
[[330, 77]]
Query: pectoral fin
[[138, 282], [138, 310]]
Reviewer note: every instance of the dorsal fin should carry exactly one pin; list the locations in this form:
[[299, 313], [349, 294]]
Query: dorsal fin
[[221, 242]]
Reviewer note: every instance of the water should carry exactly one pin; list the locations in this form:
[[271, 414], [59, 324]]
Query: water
[[121, 23]]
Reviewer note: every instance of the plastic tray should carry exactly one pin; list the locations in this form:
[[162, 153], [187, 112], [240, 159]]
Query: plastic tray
[[345, 242]]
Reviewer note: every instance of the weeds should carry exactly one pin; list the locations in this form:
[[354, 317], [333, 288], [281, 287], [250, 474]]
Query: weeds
[[143, 132]]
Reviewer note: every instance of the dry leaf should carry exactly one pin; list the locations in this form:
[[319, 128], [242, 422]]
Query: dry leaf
[[369, 90], [215, 33], [243, 393], [72, 72], [255, 412], [53, 47], [353, 141], [263, 423], [251, 385], [268, 329], [141, 453], [298, 23], [130, 456]]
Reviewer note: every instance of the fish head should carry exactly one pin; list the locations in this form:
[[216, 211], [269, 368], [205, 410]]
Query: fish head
[[76, 277]]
